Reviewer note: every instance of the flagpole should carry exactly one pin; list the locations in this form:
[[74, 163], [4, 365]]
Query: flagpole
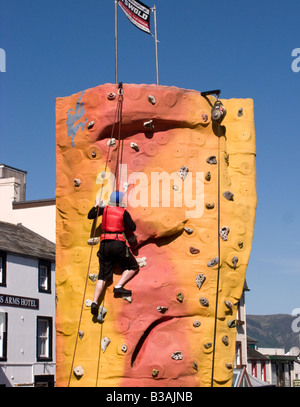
[[116, 41], [155, 39]]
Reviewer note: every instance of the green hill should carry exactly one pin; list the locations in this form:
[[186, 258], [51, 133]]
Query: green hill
[[273, 331]]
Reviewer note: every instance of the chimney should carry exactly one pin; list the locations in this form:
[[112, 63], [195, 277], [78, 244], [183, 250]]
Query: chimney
[[18, 177]]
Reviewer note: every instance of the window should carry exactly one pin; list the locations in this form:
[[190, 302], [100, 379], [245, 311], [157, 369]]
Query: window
[[263, 371], [2, 269], [254, 369], [3, 336], [44, 338], [238, 354], [45, 276]]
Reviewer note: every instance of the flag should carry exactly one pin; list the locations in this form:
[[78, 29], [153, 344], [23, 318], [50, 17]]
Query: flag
[[138, 13]]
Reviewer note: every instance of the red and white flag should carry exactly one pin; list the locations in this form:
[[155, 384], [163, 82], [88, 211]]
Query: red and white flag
[[138, 13]]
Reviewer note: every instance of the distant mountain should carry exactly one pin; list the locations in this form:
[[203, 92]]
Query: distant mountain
[[273, 331]]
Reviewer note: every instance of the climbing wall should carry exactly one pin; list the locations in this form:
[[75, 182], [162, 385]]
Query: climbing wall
[[190, 186]]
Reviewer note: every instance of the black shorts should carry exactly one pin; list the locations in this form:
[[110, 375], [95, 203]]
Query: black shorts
[[114, 252]]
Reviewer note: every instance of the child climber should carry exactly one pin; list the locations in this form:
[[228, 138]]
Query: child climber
[[113, 247]]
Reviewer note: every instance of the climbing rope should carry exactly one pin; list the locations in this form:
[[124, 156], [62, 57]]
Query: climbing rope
[[218, 113], [218, 273], [117, 118], [120, 143]]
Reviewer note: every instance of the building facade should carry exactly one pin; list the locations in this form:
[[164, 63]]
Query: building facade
[[27, 308], [38, 216]]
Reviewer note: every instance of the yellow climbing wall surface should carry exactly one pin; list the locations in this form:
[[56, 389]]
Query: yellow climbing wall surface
[[191, 192]]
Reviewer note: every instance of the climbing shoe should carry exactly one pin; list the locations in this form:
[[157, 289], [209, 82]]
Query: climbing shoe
[[122, 291], [94, 308]]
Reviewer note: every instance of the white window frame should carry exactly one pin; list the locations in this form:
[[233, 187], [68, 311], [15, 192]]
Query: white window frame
[[3, 336], [44, 338], [44, 277]]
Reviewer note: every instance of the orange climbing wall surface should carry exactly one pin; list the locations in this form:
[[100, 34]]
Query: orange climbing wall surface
[[164, 334]]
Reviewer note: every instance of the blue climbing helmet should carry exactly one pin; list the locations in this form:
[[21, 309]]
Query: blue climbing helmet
[[116, 197]]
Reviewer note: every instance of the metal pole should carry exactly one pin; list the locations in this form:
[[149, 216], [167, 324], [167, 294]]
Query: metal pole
[[116, 41], [155, 39]]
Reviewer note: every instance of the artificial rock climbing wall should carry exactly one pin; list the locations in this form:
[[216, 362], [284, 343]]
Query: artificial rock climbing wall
[[191, 191]]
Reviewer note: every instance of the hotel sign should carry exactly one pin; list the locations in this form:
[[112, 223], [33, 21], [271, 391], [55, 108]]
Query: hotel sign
[[19, 302]]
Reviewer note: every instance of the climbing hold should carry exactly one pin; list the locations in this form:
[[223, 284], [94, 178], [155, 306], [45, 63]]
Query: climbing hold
[[93, 277], [177, 355], [142, 261], [208, 176], [183, 171], [200, 278], [80, 334], [218, 112], [234, 260], [228, 195], [228, 304], [162, 309], [94, 154], [151, 99], [91, 125], [231, 323], [240, 112], [204, 302], [111, 142], [78, 371], [155, 372], [225, 340], [180, 297], [193, 250], [104, 343], [204, 117], [126, 186], [124, 348], [196, 324], [175, 187], [127, 298], [213, 262], [189, 231], [208, 345], [211, 160], [93, 241], [77, 182], [195, 366], [226, 158], [149, 125], [88, 302], [224, 232], [134, 146], [111, 96], [210, 206], [101, 314], [240, 244], [228, 365]]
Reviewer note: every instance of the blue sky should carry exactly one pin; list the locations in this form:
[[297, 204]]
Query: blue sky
[[55, 48]]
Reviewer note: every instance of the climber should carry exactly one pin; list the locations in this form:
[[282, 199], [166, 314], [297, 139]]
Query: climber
[[113, 246]]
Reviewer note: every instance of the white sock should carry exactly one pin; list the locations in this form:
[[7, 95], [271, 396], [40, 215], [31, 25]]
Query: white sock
[[118, 286]]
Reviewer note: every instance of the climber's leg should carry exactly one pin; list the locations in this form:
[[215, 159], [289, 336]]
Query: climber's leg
[[126, 276], [100, 285]]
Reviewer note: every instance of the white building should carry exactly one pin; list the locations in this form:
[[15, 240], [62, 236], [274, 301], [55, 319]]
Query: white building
[[38, 215], [27, 307], [27, 284]]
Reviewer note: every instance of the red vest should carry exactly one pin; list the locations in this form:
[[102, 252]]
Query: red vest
[[113, 222]]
